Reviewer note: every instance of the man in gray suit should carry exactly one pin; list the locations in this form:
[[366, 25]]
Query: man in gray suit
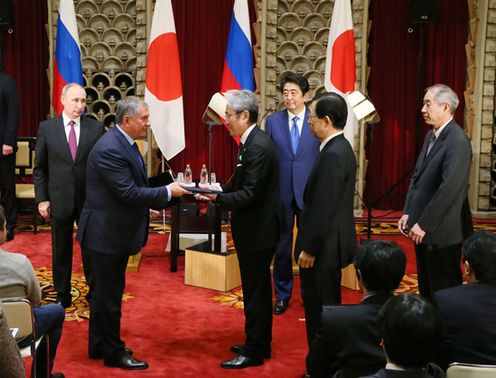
[[62, 150], [436, 214]]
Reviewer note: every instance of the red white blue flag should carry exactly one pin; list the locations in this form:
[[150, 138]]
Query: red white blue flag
[[238, 64], [67, 66]]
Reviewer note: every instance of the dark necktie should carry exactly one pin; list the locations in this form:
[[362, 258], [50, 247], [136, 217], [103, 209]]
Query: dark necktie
[[138, 154], [240, 153], [72, 140], [295, 136], [431, 143]]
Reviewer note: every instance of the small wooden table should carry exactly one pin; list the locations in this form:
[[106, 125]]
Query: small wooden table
[[182, 222]]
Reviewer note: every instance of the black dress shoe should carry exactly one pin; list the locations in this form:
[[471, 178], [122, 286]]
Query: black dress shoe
[[126, 362], [306, 375], [98, 355], [241, 362], [10, 235], [280, 307], [238, 348]]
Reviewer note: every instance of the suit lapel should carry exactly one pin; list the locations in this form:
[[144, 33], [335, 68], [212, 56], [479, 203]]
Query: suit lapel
[[131, 153], [83, 136], [285, 132], [305, 134]]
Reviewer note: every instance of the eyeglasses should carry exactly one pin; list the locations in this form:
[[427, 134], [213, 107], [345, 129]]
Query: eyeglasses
[[313, 115]]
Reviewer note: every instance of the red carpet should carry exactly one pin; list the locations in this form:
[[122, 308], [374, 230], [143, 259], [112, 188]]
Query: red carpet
[[179, 330]]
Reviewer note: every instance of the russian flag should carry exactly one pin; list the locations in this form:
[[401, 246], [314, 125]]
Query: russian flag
[[67, 66], [238, 64], [164, 91], [340, 73]]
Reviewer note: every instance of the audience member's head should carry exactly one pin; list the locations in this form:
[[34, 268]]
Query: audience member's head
[[380, 265], [411, 329], [479, 256], [332, 106]]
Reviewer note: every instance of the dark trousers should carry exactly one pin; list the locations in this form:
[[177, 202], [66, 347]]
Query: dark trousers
[[49, 320], [438, 267], [62, 251], [257, 299], [7, 189], [283, 258], [105, 309], [319, 286]]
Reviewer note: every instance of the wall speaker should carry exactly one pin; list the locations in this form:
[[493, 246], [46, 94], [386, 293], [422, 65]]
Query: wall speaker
[[5, 12], [423, 11]]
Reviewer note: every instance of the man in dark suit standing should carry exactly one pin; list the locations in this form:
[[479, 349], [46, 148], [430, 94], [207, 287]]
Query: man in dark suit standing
[[348, 338], [253, 198], [59, 174], [436, 214], [297, 150], [114, 225], [326, 239], [470, 310], [9, 119]]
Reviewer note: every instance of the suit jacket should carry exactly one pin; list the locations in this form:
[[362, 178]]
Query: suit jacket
[[470, 315], [386, 373], [253, 195], [437, 196], [348, 337], [9, 111], [58, 178], [327, 228], [115, 216], [293, 168]]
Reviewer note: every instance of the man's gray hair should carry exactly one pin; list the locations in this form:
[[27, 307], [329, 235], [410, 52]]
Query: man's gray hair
[[445, 95], [128, 106], [241, 100]]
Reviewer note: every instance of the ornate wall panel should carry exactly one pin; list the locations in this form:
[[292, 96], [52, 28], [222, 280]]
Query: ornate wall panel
[[108, 39]]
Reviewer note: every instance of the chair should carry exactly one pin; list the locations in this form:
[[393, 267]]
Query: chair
[[463, 370], [19, 314], [24, 171]]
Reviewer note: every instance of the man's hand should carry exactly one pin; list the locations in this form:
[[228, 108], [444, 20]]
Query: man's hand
[[403, 224], [416, 234], [206, 197], [306, 260], [44, 209], [7, 150], [177, 190]]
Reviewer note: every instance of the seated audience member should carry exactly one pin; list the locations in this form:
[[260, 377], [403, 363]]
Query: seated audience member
[[18, 280], [11, 365], [348, 338], [411, 330], [469, 310]]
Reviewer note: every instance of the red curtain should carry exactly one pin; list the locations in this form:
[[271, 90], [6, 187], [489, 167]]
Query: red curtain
[[202, 29], [394, 84], [25, 56]]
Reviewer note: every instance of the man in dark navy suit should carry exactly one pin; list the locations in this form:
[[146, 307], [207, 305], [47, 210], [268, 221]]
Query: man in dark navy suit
[[470, 310], [114, 225], [436, 214], [297, 150], [9, 119]]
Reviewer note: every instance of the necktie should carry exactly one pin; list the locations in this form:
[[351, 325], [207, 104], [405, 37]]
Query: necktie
[[72, 140], [138, 154], [240, 152], [295, 136], [431, 143]]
